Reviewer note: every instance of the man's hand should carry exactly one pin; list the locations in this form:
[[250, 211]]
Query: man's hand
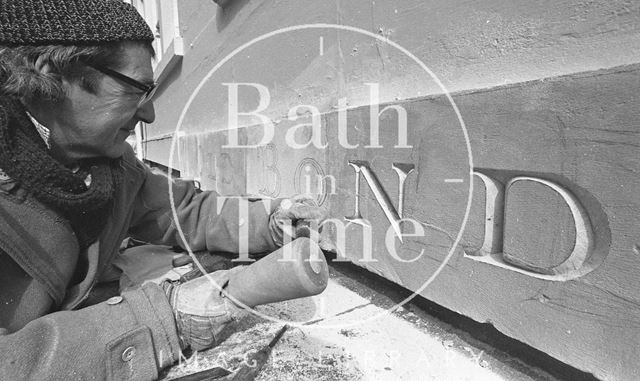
[[201, 310], [291, 213]]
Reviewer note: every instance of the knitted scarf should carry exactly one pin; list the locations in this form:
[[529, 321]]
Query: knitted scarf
[[25, 158]]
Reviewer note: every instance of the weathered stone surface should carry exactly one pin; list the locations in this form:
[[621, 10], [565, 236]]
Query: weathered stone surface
[[559, 198]]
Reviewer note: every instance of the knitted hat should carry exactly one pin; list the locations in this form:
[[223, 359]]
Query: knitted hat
[[70, 22]]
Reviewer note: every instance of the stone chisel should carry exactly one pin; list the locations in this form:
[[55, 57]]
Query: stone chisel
[[207, 374], [250, 369]]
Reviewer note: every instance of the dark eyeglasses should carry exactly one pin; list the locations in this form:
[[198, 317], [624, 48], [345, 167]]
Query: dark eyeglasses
[[149, 90]]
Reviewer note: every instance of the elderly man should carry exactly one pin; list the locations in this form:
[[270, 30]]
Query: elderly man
[[75, 78]]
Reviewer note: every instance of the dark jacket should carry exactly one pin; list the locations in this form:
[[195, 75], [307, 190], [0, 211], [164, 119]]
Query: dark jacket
[[44, 277]]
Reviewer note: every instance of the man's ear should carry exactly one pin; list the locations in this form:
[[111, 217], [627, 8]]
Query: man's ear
[[43, 66], [58, 84]]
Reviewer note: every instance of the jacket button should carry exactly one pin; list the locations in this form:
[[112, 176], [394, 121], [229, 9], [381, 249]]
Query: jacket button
[[128, 354], [114, 300]]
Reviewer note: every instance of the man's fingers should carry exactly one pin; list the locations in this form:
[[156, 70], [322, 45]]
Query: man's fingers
[[327, 245], [306, 212], [299, 211], [305, 199], [293, 211]]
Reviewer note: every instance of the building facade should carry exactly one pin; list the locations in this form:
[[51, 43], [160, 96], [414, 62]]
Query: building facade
[[484, 155]]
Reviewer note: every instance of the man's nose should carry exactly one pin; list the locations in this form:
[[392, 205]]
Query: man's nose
[[146, 112]]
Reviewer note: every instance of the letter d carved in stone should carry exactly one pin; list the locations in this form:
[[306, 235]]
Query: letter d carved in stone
[[492, 251]]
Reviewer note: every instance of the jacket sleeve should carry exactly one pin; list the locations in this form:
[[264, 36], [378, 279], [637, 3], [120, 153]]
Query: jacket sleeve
[[206, 219], [128, 337]]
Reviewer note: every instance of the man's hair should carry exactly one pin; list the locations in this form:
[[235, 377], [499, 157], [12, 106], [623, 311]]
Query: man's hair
[[20, 78]]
